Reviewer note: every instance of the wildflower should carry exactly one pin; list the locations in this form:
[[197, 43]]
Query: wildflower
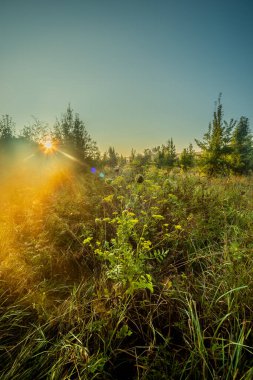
[[108, 199], [134, 221], [87, 240], [128, 212], [158, 217], [146, 245]]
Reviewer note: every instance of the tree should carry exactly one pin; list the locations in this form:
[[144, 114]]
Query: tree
[[141, 160], [35, 132], [165, 155], [241, 146], [7, 129], [160, 156], [170, 155], [73, 137], [7, 138], [187, 158], [216, 143], [112, 158]]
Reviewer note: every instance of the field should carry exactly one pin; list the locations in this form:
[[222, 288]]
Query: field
[[125, 275]]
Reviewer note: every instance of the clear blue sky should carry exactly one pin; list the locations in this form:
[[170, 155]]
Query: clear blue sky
[[137, 71]]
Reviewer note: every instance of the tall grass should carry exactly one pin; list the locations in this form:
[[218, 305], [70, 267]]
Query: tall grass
[[115, 279]]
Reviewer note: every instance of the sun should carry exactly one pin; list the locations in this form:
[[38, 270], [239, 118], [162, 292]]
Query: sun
[[48, 146]]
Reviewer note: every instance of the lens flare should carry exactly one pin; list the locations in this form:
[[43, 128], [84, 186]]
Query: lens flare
[[48, 146]]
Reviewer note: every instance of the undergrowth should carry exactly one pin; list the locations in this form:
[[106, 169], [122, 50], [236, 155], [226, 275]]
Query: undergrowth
[[116, 279]]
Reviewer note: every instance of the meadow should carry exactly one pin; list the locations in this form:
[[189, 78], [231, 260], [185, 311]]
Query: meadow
[[128, 275]]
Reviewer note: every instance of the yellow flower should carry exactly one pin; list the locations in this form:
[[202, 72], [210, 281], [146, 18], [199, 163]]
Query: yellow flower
[[106, 220], [146, 244], [87, 240], [134, 221], [108, 199], [158, 217]]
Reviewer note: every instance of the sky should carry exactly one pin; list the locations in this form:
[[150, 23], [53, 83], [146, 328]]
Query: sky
[[138, 72]]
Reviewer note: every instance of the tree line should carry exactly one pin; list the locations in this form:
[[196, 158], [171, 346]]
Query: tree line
[[226, 147], [69, 134]]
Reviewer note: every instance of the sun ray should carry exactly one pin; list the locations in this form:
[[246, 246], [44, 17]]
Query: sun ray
[[48, 146]]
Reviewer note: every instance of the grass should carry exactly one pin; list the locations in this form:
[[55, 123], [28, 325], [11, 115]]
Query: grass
[[115, 279]]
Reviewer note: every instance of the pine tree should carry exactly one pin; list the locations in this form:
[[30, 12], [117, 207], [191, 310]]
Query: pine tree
[[72, 136], [171, 155], [7, 128], [187, 158], [63, 129], [216, 143], [7, 138], [112, 159], [35, 132], [165, 155], [242, 149]]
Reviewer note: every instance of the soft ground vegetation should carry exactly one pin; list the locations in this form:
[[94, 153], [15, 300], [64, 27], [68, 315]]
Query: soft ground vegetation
[[125, 276], [138, 269]]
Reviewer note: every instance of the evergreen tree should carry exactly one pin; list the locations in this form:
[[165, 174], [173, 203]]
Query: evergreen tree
[[165, 155], [36, 132], [140, 161], [147, 157], [160, 159], [7, 129], [187, 158], [241, 145], [216, 143], [63, 130], [72, 136], [112, 158], [7, 138], [170, 154]]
